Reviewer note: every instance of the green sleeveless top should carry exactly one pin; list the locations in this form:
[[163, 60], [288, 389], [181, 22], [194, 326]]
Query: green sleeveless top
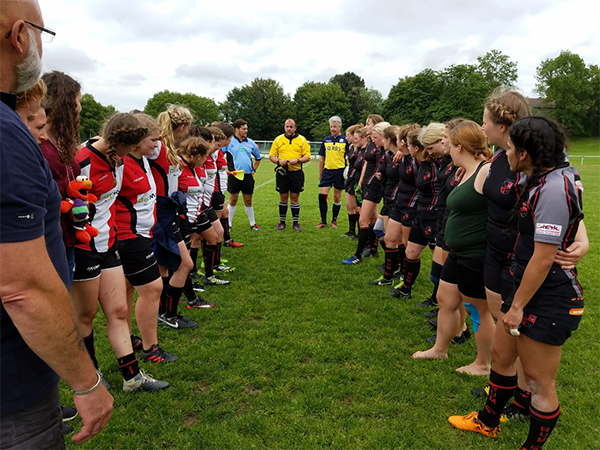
[[466, 227]]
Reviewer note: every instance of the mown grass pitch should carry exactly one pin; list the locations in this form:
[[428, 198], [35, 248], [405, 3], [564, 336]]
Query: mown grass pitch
[[301, 353]]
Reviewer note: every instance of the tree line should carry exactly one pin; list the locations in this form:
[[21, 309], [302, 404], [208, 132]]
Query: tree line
[[569, 90]]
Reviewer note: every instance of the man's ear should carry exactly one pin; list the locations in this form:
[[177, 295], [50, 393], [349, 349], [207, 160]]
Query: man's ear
[[18, 36]]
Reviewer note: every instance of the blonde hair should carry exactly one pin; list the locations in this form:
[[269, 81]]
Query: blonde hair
[[432, 133], [471, 138], [36, 92], [352, 128], [380, 127], [169, 120], [121, 128], [506, 107]]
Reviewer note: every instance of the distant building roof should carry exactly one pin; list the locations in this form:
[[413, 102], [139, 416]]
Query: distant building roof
[[540, 103]]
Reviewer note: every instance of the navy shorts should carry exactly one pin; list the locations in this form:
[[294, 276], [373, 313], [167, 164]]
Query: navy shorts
[[333, 178], [139, 262], [466, 273], [89, 265]]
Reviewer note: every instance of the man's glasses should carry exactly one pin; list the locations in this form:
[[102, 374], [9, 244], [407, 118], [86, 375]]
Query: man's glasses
[[47, 33]]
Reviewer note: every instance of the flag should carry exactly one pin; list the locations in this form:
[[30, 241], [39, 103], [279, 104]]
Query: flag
[[239, 174]]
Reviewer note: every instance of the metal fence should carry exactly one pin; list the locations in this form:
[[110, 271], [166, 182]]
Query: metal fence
[[265, 148], [572, 158]]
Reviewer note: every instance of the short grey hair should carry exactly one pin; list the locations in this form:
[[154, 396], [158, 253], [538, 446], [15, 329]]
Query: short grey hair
[[335, 119]]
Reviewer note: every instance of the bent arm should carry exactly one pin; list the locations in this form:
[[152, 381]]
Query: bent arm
[[571, 256], [39, 305]]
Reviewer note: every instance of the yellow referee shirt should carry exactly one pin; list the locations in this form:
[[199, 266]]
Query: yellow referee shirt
[[290, 148]]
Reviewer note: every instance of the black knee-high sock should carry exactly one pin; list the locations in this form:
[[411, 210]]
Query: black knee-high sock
[[225, 225], [352, 220], [522, 400], [162, 306], [295, 212], [391, 262], [363, 237], [91, 348], [501, 390], [218, 261], [188, 288], [370, 237], [401, 257], [540, 426], [128, 366], [172, 300], [283, 207], [412, 267], [194, 255], [375, 243], [323, 207], [383, 245], [209, 253], [335, 211]]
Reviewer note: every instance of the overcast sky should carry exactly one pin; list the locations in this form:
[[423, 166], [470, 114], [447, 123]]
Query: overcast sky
[[124, 51]]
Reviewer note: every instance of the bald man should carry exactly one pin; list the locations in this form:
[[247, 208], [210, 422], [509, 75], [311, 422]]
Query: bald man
[[289, 151], [40, 341]]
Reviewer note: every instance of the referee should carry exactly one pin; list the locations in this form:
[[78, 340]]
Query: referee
[[289, 151]]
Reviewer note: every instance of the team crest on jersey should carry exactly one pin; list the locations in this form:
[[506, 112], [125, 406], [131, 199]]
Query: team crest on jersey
[[523, 211], [528, 320], [448, 170], [427, 176], [506, 186], [409, 169], [454, 182]]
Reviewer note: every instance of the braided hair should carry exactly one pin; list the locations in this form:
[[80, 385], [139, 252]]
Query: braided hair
[[169, 120], [506, 107], [544, 141], [124, 129]]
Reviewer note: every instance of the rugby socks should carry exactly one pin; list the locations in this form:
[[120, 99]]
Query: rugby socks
[[501, 390], [412, 267], [375, 243], [194, 255], [188, 288], [231, 210], [522, 400], [323, 207], [225, 225], [91, 348], [250, 214], [218, 260], [391, 263], [401, 257], [128, 366], [172, 297], [540, 426], [295, 212], [336, 211], [209, 252], [363, 237], [353, 220], [162, 306], [434, 276], [283, 207]]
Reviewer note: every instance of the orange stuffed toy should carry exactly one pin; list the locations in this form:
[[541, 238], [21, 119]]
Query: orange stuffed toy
[[77, 204]]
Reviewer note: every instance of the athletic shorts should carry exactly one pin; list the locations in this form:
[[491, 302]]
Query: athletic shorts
[[408, 216], [497, 273], [350, 183], [210, 214], [139, 262], [373, 192], [552, 314], [187, 229], [176, 230], [89, 265], [246, 186], [423, 229], [385, 211], [466, 273], [292, 181], [440, 240], [217, 201], [333, 178]]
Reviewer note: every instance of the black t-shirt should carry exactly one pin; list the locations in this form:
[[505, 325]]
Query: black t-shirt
[[373, 155], [391, 172], [448, 181], [428, 184], [501, 191], [408, 194], [29, 209]]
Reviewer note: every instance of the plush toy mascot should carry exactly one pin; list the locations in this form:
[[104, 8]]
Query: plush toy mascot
[[78, 205]]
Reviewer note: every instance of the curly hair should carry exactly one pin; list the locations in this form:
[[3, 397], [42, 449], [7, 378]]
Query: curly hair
[[217, 134], [37, 92], [506, 107], [471, 138], [193, 146], [124, 129], [61, 110], [169, 120], [544, 141]]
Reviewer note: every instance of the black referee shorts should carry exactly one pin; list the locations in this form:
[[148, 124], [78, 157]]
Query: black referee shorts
[[292, 181], [246, 186]]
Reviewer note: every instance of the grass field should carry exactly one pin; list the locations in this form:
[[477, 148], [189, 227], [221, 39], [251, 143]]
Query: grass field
[[301, 353]]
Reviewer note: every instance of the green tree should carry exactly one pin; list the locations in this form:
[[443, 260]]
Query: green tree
[[204, 110], [92, 116], [573, 88], [497, 69], [315, 104], [348, 81], [263, 104], [362, 101]]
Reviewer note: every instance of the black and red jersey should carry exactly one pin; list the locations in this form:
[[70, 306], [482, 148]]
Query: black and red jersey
[[373, 155], [408, 194], [136, 203], [106, 184], [428, 184], [448, 181], [391, 174]]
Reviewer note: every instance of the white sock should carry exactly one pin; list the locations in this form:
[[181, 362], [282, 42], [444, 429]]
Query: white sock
[[379, 224], [231, 214], [250, 214]]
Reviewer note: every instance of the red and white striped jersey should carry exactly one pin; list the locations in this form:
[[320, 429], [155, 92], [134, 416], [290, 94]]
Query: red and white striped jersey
[[136, 203], [165, 174], [192, 186], [221, 163], [106, 186]]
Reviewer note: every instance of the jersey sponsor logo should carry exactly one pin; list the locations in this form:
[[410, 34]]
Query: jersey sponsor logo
[[173, 170], [138, 179], [576, 311], [576, 299], [103, 177], [335, 147], [528, 320], [506, 186], [146, 198], [107, 196], [548, 229]]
